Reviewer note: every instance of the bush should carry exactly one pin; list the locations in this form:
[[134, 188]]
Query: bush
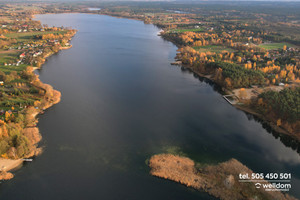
[[22, 145], [4, 146]]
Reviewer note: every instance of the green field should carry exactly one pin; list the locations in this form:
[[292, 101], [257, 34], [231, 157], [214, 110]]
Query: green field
[[7, 56], [21, 37], [24, 99], [271, 46], [188, 30], [8, 69], [213, 48]]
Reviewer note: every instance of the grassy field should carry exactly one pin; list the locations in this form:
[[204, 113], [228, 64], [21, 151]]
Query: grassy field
[[24, 99], [271, 46], [213, 48], [22, 37], [7, 56], [8, 69], [188, 30]]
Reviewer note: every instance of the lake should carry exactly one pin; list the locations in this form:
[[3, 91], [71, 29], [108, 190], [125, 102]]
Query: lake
[[122, 102]]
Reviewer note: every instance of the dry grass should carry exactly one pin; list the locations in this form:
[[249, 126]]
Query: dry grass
[[219, 180]]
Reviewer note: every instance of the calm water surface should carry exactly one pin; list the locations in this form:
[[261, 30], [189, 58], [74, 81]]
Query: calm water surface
[[123, 102]]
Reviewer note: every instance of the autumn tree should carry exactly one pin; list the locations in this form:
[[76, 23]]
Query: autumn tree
[[284, 48]]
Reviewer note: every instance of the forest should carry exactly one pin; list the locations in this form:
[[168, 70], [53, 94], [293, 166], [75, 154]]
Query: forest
[[285, 104], [235, 76]]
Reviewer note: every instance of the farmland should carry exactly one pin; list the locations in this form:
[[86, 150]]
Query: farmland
[[25, 36], [272, 46], [187, 30], [213, 48]]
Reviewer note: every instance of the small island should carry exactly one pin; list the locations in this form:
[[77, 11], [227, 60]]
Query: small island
[[221, 180]]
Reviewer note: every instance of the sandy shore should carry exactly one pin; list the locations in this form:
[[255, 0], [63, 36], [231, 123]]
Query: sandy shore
[[8, 164]]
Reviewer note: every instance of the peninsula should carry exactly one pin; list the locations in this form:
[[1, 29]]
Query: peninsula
[[219, 180]]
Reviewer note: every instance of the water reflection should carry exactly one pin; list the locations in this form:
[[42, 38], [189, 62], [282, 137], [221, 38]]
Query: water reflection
[[285, 139]]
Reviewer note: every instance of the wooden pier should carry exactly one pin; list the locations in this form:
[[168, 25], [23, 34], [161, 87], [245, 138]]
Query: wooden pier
[[231, 95]]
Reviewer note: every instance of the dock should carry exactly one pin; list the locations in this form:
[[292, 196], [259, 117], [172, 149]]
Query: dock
[[226, 98], [27, 159], [176, 63]]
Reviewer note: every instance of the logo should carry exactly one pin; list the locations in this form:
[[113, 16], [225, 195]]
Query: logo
[[283, 187]]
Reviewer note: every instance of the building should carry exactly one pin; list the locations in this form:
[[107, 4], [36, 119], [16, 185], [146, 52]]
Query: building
[[22, 55]]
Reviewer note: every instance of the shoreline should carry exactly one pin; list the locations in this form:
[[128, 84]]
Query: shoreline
[[247, 109], [270, 123], [6, 165]]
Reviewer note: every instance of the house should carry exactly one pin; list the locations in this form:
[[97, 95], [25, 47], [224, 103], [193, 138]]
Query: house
[[22, 55]]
